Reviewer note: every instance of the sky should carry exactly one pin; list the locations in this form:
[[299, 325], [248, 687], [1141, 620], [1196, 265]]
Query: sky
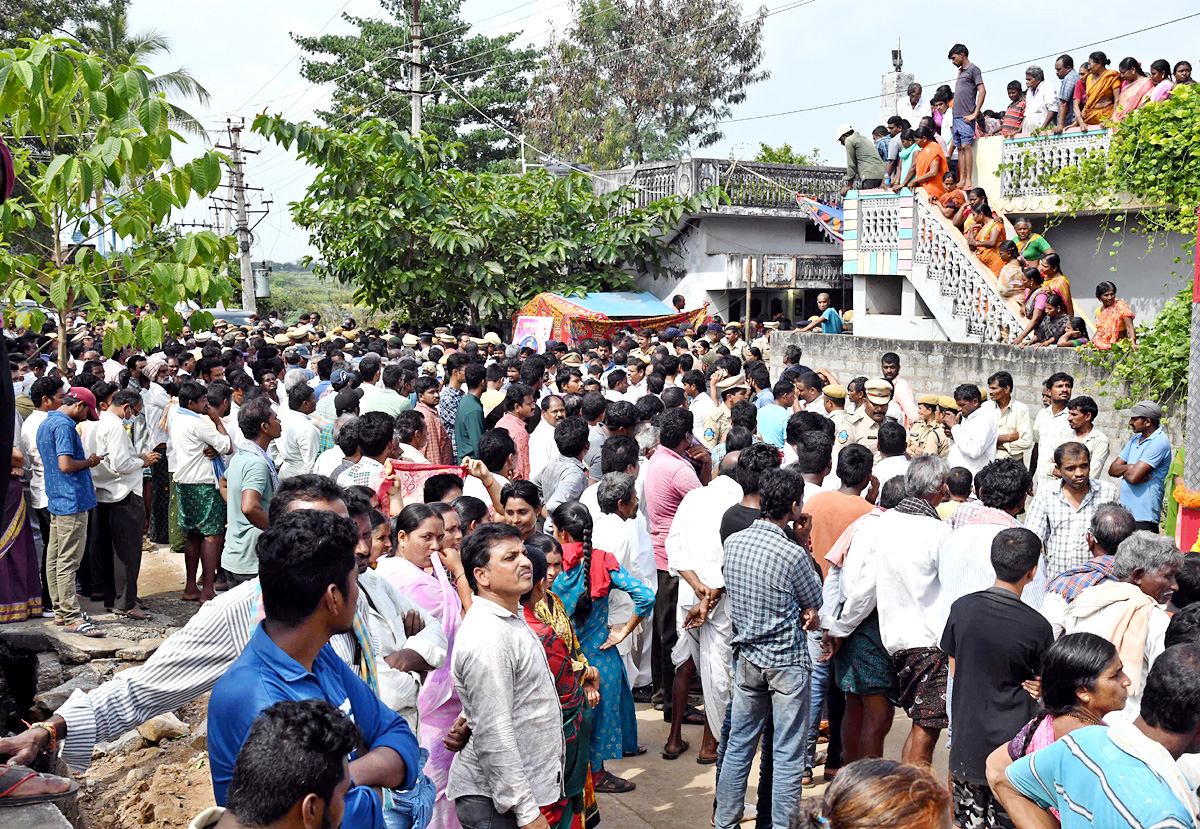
[[821, 62]]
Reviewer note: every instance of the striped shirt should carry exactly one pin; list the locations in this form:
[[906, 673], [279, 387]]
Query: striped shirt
[[187, 664]]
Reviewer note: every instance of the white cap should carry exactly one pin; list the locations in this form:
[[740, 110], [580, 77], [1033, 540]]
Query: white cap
[[843, 129]]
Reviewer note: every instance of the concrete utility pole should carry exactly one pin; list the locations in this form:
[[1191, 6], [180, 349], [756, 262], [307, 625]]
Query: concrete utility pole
[[417, 31], [243, 221]]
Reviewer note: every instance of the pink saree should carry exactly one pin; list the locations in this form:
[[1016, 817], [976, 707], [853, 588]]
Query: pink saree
[[438, 703]]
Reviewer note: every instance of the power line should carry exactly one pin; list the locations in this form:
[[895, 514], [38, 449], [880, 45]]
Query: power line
[[467, 26]]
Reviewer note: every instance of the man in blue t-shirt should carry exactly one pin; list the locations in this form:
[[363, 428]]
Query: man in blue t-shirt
[[309, 583], [830, 321], [1143, 465], [1118, 776], [70, 495]]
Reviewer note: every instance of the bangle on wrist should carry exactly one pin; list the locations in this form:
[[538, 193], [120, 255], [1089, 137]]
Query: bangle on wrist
[[49, 729]]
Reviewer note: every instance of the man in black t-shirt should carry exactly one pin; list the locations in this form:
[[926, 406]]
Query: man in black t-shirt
[[995, 643]]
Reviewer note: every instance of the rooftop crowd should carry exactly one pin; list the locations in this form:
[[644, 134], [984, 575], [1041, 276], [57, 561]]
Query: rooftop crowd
[[462, 565], [929, 145]]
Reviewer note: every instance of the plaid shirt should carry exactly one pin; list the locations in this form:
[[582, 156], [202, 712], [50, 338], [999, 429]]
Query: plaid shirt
[[448, 409], [1073, 582], [326, 439], [770, 581], [1062, 528], [367, 472]]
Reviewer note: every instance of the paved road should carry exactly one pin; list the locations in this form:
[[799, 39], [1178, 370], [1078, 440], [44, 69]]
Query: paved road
[[678, 794]]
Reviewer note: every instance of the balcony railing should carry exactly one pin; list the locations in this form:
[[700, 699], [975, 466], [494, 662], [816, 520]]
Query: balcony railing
[[1027, 163], [750, 184]]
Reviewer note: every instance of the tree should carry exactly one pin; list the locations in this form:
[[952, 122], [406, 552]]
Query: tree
[[784, 154], [370, 73], [24, 18], [642, 80], [106, 32], [393, 216], [61, 96]]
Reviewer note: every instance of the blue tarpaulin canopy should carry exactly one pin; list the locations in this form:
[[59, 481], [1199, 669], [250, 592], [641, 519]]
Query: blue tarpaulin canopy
[[615, 304]]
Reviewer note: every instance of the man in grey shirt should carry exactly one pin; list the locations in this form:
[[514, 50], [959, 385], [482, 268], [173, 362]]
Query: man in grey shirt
[[513, 763], [565, 477], [863, 164]]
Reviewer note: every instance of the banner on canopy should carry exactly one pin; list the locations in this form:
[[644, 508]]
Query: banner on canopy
[[571, 322], [827, 217]]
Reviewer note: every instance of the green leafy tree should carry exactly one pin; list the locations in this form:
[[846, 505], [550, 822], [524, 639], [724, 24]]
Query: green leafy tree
[[1152, 157], [784, 154], [642, 80], [97, 128], [106, 32], [370, 73], [36, 18], [393, 216]]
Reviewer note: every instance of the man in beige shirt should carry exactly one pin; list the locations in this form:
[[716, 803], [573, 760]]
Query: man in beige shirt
[[1015, 437], [1081, 413]]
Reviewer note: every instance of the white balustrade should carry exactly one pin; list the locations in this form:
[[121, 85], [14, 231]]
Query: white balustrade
[[878, 223], [1028, 163], [961, 282]]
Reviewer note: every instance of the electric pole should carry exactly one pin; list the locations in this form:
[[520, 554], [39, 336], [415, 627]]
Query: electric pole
[[243, 222], [416, 68]]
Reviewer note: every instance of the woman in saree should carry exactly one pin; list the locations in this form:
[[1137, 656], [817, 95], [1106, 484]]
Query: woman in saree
[[1055, 281], [578, 690], [1082, 680], [930, 165], [20, 571], [986, 242], [431, 575], [1034, 303], [1031, 246], [1100, 88], [1011, 280], [908, 151], [1114, 319], [1160, 76], [1052, 326], [583, 586], [1135, 89]]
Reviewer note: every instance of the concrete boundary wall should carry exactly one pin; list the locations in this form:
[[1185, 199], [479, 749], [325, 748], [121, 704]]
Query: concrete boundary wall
[[937, 367]]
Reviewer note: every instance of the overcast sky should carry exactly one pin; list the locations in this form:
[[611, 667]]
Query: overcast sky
[[818, 58]]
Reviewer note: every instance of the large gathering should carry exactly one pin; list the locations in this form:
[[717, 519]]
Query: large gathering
[[471, 561], [485, 428]]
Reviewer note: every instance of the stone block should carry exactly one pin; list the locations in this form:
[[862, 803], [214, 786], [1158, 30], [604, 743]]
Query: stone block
[[49, 671], [47, 702], [75, 649], [163, 727], [140, 651], [129, 741]]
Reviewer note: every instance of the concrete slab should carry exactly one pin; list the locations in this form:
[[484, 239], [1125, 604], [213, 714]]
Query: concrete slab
[[38, 816]]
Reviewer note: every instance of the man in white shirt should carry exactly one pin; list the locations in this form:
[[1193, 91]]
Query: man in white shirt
[[120, 512], [47, 395], [1041, 101], [908, 538], [200, 439], [973, 428], [541, 441], [1050, 428], [700, 403], [695, 553], [913, 107], [295, 453]]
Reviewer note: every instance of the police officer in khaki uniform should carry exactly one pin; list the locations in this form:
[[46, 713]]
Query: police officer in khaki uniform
[[879, 395], [927, 437], [847, 427], [717, 424]]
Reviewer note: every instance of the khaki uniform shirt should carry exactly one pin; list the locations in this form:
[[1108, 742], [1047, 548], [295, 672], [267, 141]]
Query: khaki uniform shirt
[[716, 426], [738, 349], [930, 437], [868, 436], [845, 429]]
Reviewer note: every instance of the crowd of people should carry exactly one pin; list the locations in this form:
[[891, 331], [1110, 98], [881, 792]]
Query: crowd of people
[[935, 155], [462, 564]]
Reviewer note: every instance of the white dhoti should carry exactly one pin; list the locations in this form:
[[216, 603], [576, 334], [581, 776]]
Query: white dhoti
[[709, 646]]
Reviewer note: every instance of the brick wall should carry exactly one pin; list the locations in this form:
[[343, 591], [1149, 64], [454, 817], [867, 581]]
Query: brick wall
[[937, 367]]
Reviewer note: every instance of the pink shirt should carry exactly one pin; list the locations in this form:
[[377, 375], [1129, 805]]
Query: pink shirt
[[520, 435], [669, 477]]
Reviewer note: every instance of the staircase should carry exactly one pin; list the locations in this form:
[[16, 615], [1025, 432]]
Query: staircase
[[905, 235]]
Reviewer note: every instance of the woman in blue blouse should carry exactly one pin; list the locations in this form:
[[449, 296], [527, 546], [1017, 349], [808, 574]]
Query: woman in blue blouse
[[583, 587]]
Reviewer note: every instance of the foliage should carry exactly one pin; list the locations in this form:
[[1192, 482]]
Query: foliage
[[294, 292], [36, 18], [784, 154], [1158, 368], [391, 216], [106, 32], [641, 80], [369, 85], [1153, 156], [101, 166]]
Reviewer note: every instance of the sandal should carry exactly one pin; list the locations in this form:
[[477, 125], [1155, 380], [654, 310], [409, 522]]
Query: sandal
[[807, 780], [609, 783], [673, 755], [12, 776], [135, 613], [87, 629], [641, 749]]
